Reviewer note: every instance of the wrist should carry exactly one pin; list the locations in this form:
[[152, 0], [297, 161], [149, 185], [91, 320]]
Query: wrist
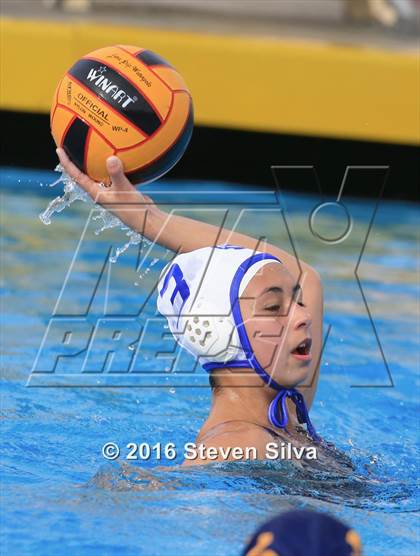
[[153, 225]]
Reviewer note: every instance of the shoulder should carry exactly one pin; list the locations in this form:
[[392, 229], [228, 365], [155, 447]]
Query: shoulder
[[235, 441]]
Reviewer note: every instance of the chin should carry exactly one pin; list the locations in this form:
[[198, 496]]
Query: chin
[[292, 377]]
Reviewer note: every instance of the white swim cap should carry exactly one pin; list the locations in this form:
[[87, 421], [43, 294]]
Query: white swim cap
[[198, 293]]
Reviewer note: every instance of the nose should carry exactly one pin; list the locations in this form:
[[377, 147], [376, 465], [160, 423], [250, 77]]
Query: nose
[[302, 318]]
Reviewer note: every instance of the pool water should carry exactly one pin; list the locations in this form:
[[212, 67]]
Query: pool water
[[59, 494]]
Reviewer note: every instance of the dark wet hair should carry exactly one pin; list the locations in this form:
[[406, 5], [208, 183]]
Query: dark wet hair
[[212, 381]]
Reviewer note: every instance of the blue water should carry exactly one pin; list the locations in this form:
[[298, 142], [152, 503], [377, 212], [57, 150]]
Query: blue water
[[59, 494]]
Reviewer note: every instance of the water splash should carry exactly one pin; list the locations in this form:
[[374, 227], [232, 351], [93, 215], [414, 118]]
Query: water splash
[[134, 239], [107, 220], [72, 192], [149, 266]]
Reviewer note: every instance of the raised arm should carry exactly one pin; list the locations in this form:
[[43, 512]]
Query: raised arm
[[178, 233], [181, 234]]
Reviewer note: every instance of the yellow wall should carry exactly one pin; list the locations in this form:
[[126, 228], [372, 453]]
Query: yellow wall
[[287, 86]]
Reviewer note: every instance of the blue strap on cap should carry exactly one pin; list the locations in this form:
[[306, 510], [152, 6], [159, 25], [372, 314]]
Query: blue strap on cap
[[277, 411]]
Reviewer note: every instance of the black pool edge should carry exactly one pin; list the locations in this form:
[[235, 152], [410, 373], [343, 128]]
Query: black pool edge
[[246, 157]]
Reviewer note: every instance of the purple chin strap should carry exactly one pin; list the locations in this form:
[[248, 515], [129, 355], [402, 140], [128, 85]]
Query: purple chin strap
[[277, 411]]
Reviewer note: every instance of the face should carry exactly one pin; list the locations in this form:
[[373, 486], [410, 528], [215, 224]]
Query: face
[[278, 324]]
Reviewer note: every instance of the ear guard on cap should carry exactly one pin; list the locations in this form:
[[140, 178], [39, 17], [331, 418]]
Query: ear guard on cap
[[193, 294]]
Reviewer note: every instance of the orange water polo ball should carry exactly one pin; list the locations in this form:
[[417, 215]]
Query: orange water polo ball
[[124, 101]]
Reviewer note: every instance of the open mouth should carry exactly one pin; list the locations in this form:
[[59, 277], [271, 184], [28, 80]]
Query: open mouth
[[303, 350]]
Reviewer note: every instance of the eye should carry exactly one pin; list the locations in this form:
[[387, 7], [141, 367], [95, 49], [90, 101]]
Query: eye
[[298, 298], [273, 308]]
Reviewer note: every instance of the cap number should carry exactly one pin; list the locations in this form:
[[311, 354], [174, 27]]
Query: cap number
[[181, 287]]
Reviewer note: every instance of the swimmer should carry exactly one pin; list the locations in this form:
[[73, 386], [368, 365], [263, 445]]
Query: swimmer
[[249, 311], [304, 533]]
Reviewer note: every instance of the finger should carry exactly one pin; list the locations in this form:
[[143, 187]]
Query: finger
[[74, 172], [115, 170]]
